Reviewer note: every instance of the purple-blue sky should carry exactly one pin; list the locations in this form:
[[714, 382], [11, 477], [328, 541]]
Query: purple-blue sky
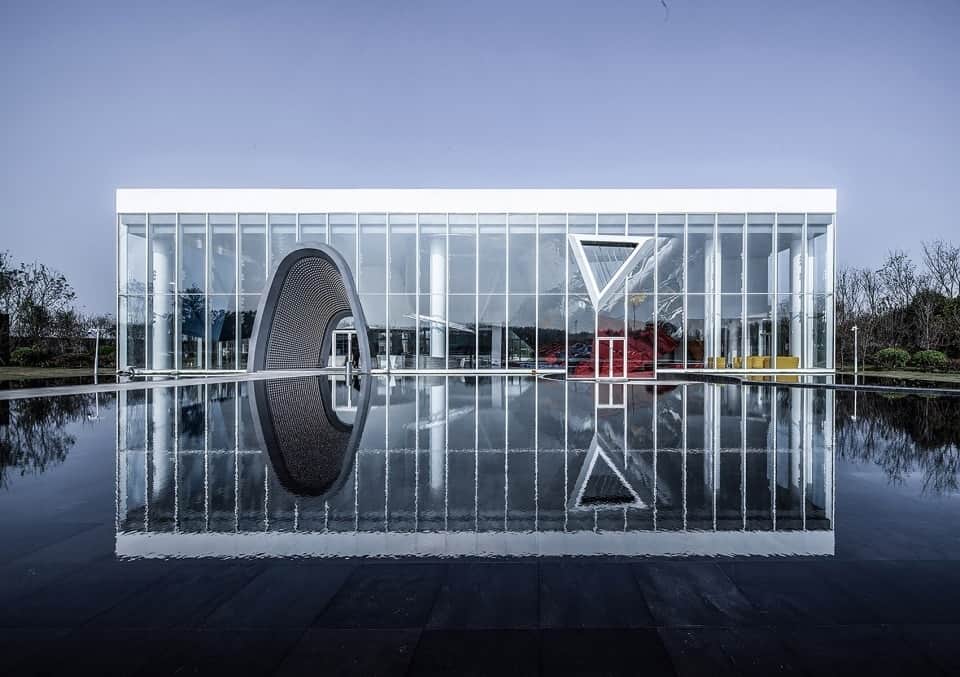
[[862, 96]]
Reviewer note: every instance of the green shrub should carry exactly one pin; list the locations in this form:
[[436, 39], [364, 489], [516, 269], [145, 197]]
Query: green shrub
[[892, 358], [28, 356], [929, 360]]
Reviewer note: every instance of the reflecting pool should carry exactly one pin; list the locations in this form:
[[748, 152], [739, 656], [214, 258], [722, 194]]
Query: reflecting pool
[[425, 524], [489, 465]]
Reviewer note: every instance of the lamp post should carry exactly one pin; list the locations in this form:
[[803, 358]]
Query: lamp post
[[856, 366]]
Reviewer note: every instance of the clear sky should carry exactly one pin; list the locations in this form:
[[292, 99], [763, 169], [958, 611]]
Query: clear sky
[[863, 96]]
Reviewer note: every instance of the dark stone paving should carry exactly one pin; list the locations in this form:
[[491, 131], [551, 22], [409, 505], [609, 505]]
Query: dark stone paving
[[588, 616]]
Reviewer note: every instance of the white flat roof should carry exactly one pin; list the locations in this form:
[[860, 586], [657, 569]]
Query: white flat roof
[[496, 200]]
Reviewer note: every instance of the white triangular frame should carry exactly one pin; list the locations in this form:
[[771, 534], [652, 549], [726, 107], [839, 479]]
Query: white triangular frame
[[598, 295]]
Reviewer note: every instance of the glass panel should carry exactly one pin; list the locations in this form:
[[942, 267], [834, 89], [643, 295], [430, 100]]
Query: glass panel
[[701, 254], [641, 332], [193, 245], [759, 250], [161, 331], [581, 325], [463, 253], [818, 337], [433, 331], [730, 349], [789, 330], [697, 312], [581, 224], [223, 253], [611, 224], [283, 237], [730, 233], [313, 228], [133, 254], [819, 253], [523, 251], [493, 253], [403, 253], [222, 348], [642, 275], [670, 331], [551, 339], [463, 264], [670, 252], [193, 324], [133, 331], [463, 331], [375, 312], [641, 224], [789, 253], [552, 255], [759, 331], [253, 253], [523, 331], [163, 254], [492, 331], [373, 255], [403, 331], [343, 237], [248, 313]]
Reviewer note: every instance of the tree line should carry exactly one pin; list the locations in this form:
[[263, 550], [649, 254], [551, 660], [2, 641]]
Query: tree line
[[902, 308], [40, 322]]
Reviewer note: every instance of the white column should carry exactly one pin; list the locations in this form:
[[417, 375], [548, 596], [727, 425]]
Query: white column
[[163, 300], [796, 299]]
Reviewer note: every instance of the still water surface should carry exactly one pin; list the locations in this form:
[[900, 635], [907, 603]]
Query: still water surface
[[492, 466]]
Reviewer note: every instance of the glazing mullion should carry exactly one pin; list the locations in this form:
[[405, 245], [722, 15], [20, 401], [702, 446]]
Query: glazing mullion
[[656, 313], [416, 303], [536, 296], [446, 297], [686, 318], [566, 314], [236, 291], [774, 332], [176, 292], [507, 228], [805, 299], [744, 329], [204, 359], [386, 296]]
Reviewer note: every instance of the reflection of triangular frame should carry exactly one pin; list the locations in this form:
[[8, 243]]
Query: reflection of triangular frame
[[598, 295], [586, 471]]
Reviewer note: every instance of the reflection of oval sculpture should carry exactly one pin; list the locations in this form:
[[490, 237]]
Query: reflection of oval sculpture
[[311, 448], [307, 295]]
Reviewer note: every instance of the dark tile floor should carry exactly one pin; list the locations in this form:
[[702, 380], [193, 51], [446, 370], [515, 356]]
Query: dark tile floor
[[593, 616]]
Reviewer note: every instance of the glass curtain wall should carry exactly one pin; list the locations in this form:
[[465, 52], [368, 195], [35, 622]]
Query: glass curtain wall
[[740, 291]]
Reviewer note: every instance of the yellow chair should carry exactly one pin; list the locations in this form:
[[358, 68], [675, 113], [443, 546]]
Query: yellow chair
[[788, 362], [721, 363], [709, 363], [738, 362], [766, 362]]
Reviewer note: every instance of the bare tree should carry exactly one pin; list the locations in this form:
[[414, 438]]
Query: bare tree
[[942, 261]]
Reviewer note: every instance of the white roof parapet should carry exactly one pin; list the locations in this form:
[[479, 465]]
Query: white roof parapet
[[513, 200]]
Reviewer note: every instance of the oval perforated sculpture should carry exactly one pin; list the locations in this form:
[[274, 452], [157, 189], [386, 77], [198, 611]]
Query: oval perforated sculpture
[[310, 444], [307, 295]]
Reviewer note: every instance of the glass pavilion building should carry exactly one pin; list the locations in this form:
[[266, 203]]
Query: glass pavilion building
[[591, 283]]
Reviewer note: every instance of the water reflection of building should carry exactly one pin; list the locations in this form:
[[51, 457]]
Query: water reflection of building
[[490, 465]]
